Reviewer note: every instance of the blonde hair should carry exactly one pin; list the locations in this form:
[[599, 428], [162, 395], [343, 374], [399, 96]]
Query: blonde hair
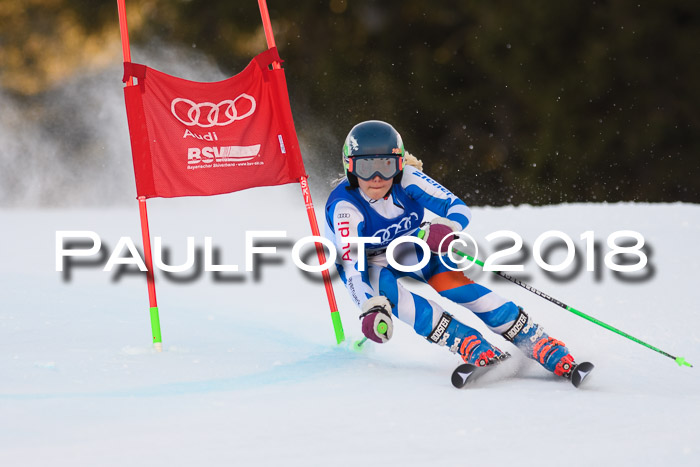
[[410, 159]]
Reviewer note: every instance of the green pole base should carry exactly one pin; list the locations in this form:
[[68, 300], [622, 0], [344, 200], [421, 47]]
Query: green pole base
[[155, 329], [337, 327]]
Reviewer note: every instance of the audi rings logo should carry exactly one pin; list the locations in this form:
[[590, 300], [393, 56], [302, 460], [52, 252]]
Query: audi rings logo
[[207, 114]]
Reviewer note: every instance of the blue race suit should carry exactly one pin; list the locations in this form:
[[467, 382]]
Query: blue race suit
[[350, 213]]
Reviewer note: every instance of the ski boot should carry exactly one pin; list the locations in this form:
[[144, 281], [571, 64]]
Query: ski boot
[[465, 341], [536, 344]]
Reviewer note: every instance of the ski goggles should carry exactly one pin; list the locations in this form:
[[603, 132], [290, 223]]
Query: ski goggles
[[368, 167]]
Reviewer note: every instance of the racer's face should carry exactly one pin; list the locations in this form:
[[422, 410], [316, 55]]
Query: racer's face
[[375, 188]]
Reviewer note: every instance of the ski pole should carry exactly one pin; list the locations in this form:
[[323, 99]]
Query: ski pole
[[359, 343], [679, 360], [381, 327]]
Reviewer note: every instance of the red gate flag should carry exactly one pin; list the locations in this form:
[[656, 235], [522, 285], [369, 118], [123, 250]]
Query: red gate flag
[[201, 139]]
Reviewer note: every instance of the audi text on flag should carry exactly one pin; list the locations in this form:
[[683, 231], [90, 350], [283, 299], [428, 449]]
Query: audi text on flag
[[198, 139]]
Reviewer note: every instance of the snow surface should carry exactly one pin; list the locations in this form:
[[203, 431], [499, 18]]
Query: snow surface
[[251, 374]]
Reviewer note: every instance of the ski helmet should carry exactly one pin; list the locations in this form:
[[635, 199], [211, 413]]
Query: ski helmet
[[373, 148]]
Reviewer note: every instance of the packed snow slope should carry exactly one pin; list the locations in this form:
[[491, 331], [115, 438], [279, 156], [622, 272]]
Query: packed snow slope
[[251, 375]]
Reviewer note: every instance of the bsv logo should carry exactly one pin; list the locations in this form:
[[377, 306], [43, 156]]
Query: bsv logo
[[209, 154], [207, 114]]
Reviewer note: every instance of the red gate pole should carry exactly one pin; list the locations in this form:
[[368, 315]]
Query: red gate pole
[[335, 316], [143, 214]]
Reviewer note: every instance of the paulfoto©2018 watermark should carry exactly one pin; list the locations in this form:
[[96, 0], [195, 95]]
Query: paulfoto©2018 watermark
[[626, 254]]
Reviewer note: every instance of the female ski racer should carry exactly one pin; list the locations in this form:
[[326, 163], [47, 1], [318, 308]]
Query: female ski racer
[[382, 196]]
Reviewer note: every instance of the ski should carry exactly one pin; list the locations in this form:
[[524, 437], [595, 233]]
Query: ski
[[581, 372], [468, 373]]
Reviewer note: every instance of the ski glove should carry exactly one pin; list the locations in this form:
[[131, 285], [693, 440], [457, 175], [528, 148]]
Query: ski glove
[[436, 230], [376, 319]]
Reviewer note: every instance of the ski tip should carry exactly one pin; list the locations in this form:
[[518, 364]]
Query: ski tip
[[581, 372], [461, 375], [681, 362], [467, 372]]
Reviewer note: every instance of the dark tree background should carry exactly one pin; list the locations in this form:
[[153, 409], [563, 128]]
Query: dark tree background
[[505, 102]]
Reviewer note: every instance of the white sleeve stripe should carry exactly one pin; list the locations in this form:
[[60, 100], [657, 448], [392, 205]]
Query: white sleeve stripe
[[460, 209]]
